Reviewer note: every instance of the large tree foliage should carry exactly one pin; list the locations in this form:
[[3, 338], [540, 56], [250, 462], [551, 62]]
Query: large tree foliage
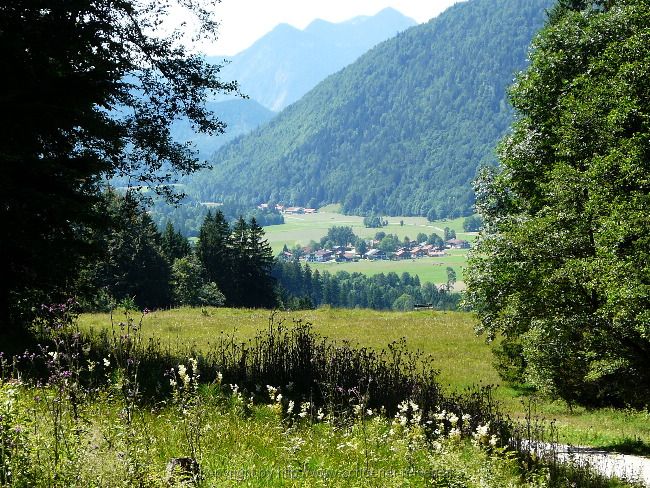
[[238, 260], [88, 90], [561, 269]]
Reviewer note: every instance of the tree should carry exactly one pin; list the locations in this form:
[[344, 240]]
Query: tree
[[451, 278], [404, 303], [189, 286], [132, 264], [214, 249], [174, 245], [561, 268], [89, 90], [472, 223], [258, 261], [449, 234], [339, 236]]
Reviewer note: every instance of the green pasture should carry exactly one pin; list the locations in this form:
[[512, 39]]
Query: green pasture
[[462, 358], [433, 270], [300, 229]]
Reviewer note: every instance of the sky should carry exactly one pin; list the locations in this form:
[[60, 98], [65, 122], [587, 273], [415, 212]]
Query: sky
[[245, 21]]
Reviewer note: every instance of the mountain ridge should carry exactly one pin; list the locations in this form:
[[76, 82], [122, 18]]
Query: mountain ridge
[[281, 66], [401, 131]]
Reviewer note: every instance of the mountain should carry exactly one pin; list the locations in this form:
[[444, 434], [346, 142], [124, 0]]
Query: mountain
[[401, 131], [241, 115], [287, 62]]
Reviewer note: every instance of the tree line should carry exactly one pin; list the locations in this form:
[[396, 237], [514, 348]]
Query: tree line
[[300, 287], [140, 266]]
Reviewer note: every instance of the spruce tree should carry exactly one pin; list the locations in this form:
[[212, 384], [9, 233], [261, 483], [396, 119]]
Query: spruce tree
[[214, 249]]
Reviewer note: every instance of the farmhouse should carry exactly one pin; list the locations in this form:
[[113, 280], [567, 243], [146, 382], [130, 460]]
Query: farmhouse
[[375, 254], [457, 244]]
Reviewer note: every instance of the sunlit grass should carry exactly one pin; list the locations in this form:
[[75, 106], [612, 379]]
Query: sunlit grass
[[300, 229], [462, 358]]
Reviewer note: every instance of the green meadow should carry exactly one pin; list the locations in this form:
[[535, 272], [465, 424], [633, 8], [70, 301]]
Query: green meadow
[[301, 229], [446, 339], [433, 270]]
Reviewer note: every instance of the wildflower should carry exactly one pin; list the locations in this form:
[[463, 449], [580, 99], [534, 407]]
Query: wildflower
[[304, 409], [453, 419], [494, 440], [481, 434], [219, 377], [182, 374], [195, 366], [320, 415], [290, 407], [454, 433], [107, 362]]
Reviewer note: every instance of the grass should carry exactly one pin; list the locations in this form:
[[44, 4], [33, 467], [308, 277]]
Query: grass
[[241, 444], [300, 229], [462, 358], [432, 270]]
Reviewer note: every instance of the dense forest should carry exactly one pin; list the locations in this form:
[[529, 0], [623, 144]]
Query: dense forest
[[300, 287], [400, 131]]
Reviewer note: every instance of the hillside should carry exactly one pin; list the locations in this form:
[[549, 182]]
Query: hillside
[[241, 115], [287, 62], [400, 131]]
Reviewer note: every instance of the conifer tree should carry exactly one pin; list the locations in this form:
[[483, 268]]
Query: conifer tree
[[215, 252]]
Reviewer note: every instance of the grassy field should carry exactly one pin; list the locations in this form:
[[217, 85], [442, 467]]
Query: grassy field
[[462, 358], [301, 229], [433, 270], [235, 443]]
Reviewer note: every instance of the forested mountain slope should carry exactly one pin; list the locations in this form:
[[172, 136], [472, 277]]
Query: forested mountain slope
[[240, 115], [400, 131], [286, 63]]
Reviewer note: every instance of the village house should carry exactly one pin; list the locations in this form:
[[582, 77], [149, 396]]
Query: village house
[[457, 244], [374, 254], [322, 256], [402, 253]]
